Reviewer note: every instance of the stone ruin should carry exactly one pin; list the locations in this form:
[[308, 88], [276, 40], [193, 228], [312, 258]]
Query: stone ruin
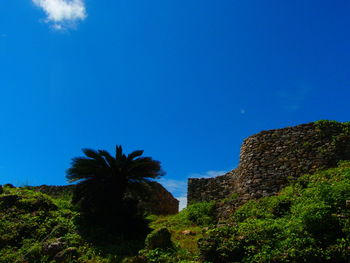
[[157, 200], [271, 159]]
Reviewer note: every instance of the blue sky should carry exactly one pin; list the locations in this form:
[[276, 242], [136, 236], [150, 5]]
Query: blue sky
[[186, 81]]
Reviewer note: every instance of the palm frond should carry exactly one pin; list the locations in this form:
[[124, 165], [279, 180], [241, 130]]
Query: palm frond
[[119, 152], [134, 154], [95, 155], [108, 158], [90, 153]]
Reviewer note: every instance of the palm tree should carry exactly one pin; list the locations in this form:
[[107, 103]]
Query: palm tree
[[102, 180]]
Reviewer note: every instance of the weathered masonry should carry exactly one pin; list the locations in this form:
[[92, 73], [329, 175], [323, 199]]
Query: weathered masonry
[[157, 200], [270, 159]]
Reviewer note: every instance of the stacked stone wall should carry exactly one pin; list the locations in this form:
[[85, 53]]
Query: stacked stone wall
[[271, 159], [156, 200], [209, 189]]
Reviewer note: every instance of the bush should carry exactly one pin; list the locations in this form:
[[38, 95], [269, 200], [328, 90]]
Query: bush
[[160, 238], [202, 213], [307, 222], [29, 221]]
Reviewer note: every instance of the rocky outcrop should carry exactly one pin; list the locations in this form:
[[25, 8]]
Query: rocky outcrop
[[157, 200], [159, 238], [271, 159]]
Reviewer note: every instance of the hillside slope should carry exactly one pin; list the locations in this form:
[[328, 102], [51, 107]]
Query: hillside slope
[[37, 228], [308, 221]]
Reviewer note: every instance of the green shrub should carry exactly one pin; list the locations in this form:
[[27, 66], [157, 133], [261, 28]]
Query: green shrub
[[30, 220], [159, 255], [160, 238], [307, 222], [202, 213], [339, 146]]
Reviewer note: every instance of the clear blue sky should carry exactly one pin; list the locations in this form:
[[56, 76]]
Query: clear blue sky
[[186, 81]]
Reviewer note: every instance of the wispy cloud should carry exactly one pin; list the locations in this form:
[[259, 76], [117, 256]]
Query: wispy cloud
[[179, 187], [62, 14], [293, 99], [182, 202], [208, 174], [176, 187]]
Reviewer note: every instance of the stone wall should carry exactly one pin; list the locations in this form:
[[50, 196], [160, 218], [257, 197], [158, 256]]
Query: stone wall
[[270, 159], [208, 189], [53, 190], [156, 200]]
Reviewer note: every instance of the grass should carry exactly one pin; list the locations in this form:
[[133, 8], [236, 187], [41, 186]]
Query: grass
[[308, 221], [177, 225], [30, 221]]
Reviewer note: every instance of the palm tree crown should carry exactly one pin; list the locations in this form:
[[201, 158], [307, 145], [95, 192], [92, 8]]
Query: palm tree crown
[[100, 165], [103, 179]]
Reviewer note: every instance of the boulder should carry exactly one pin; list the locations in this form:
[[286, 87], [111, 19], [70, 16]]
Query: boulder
[[160, 238], [53, 248], [188, 232], [68, 253]]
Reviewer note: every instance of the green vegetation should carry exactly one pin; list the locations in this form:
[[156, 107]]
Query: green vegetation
[[36, 228], [307, 222], [231, 198], [159, 238], [202, 214], [186, 228], [340, 143]]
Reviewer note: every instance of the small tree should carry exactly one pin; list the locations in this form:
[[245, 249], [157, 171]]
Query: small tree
[[103, 181]]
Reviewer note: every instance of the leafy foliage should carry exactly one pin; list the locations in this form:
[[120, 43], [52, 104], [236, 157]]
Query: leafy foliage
[[202, 214], [31, 222], [102, 183], [185, 234], [339, 144], [307, 222], [159, 238]]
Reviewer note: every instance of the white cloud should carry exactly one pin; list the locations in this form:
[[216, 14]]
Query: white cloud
[[293, 99], [183, 202], [208, 174], [176, 187], [62, 14]]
